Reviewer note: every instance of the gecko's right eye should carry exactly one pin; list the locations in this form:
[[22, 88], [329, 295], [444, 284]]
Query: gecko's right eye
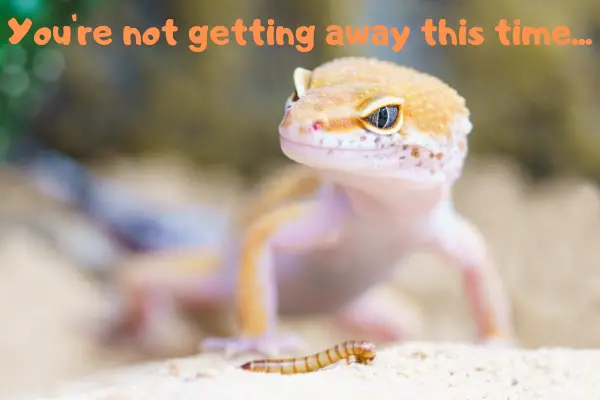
[[301, 84], [292, 99], [294, 96]]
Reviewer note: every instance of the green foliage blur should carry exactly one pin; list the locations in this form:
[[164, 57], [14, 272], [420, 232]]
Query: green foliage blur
[[28, 71]]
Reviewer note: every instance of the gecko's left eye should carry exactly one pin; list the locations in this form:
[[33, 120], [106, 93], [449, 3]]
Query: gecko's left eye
[[383, 115], [385, 119]]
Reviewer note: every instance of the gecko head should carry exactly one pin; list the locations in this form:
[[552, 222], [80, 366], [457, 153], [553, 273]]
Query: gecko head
[[374, 118]]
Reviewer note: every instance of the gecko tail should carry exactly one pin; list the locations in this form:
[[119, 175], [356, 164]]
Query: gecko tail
[[123, 215], [59, 177]]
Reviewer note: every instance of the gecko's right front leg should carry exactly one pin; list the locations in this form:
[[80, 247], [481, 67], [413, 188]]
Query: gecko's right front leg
[[297, 226]]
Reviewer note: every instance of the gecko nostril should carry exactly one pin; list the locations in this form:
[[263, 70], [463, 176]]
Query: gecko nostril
[[317, 125]]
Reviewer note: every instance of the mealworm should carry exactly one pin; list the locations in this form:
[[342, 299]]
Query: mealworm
[[363, 353]]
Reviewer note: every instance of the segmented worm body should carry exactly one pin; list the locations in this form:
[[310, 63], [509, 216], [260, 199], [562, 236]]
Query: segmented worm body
[[363, 352]]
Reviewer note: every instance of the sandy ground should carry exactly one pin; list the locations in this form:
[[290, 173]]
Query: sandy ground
[[544, 241], [410, 371]]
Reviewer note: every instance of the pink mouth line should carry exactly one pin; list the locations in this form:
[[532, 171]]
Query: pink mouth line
[[323, 148]]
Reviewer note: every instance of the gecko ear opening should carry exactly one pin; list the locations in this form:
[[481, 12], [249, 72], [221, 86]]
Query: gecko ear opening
[[301, 80]]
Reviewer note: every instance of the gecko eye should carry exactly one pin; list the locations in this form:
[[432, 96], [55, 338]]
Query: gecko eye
[[292, 99], [385, 118], [294, 96]]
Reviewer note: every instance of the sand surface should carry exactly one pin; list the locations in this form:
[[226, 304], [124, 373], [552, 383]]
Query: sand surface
[[409, 371], [544, 239]]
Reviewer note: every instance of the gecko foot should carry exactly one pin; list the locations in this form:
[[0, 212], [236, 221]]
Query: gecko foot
[[268, 345], [500, 342]]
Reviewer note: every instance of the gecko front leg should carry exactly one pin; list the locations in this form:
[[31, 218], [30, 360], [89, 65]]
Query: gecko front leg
[[461, 243], [293, 227]]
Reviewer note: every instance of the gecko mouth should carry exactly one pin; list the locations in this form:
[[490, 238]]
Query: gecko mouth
[[334, 157], [329, 149], [401, 157]]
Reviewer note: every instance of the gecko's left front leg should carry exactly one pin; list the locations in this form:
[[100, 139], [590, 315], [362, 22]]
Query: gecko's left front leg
[[462, 244], [298, 226]]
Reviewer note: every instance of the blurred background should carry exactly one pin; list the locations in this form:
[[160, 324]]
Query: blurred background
[[112, 153]]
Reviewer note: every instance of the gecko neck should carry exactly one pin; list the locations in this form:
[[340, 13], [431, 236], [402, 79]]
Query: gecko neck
[[402, 197]]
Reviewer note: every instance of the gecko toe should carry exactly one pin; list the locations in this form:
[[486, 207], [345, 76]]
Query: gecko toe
[[268, 345], [500, 342]]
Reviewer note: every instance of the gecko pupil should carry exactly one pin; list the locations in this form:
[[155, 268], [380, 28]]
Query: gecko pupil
[[382, 117]]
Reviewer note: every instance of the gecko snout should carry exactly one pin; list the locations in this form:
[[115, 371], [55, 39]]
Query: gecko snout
[[300, 130], [310, 127]]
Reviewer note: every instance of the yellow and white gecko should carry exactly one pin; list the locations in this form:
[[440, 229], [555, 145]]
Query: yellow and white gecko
[[378, 147]]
